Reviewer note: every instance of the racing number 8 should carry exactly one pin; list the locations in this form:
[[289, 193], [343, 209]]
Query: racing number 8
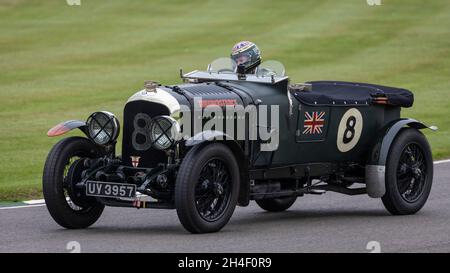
[[349, 132], [141, 128]]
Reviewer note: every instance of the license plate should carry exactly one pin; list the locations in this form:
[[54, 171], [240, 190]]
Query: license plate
[[108, 189]]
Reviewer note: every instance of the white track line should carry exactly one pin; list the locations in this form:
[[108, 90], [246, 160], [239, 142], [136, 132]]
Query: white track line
[[21, 207], [41, 202], [35, 202], [441, 162]]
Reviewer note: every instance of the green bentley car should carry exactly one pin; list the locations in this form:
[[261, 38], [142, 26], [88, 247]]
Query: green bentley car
[[222, 138]]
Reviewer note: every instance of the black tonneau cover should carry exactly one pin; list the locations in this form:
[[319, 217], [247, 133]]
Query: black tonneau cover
[[350, 93]]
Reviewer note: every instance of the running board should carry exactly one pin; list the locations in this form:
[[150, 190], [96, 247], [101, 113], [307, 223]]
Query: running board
[[136, 204], [347, 191], [309, 190]]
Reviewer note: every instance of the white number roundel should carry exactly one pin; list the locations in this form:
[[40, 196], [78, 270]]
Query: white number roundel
[[349, 130]]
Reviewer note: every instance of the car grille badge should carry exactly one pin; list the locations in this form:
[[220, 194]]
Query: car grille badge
[[135, 161]]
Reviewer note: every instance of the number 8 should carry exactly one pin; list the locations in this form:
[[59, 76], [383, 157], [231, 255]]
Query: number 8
[[349, 132], [142, 130]]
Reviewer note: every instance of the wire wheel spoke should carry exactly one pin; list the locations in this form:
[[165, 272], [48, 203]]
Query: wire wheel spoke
[[411, 173], [68, 184], [212, 191]]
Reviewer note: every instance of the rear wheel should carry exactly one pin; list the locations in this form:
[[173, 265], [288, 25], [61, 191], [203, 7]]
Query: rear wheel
[[409, 173], [207, 188], [276, 204], [69, 206]]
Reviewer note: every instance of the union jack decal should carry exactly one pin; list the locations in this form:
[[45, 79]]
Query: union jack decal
[[314, 122]]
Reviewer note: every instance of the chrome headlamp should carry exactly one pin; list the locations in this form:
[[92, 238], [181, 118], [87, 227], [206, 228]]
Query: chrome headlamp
[[103, 127], [164, 132]]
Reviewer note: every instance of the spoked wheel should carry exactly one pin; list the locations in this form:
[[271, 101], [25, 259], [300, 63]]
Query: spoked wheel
[[68, 205], [207, 188], [409, 173], [213, 190], [72, 174]]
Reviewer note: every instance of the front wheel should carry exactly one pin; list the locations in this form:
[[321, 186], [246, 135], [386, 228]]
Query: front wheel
[[69, 206], [207, 188], [409, 173]]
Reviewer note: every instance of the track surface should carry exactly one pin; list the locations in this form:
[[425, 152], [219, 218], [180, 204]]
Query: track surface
[[327, 223]]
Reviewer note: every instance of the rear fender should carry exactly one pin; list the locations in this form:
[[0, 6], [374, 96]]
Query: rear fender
[[376, 167], [67, 126]]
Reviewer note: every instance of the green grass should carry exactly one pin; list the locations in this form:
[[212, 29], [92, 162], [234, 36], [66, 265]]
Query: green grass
[[61, 62]]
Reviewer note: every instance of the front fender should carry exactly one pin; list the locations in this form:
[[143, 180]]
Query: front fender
[[67, 126], [208, 135], [376, 167]]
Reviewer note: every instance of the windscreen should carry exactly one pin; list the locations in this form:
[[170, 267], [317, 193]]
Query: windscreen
[[269, 68], [222, 65]]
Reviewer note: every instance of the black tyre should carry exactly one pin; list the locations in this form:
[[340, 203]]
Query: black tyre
[[409, 173], [69, 206], [207, 188], [276, 204]]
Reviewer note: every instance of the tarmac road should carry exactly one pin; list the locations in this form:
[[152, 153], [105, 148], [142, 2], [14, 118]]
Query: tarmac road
[[326, 223]]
